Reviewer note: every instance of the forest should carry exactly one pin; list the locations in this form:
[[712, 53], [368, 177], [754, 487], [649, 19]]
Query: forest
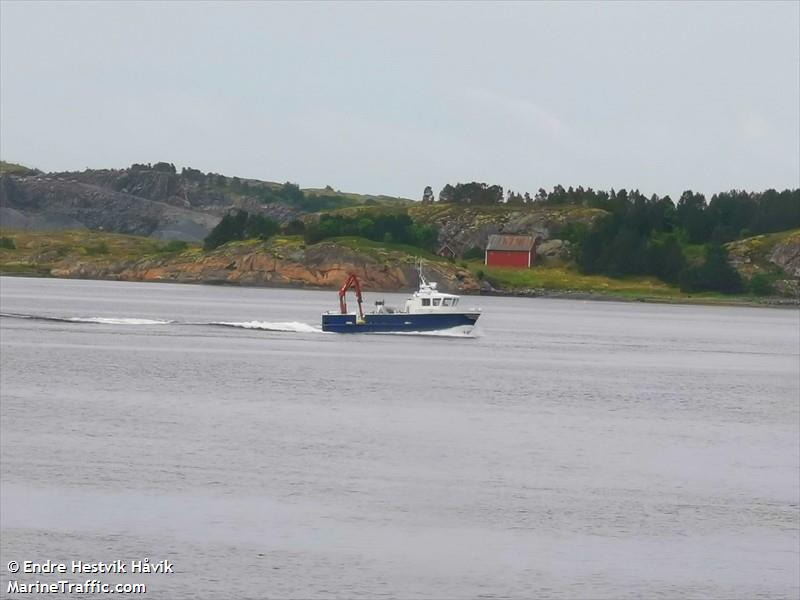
[[643, 235]]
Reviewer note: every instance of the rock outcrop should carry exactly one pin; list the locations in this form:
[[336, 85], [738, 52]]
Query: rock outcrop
[[324, 265], [776, 255], [282, 262], [147, 202], [786, 255], [43, 202], [463, 228]]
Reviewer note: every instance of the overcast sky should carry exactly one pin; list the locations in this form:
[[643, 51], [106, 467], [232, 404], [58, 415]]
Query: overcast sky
[[388, 98]]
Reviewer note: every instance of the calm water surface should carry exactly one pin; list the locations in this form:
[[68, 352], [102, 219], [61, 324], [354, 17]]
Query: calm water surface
[[570, 450]]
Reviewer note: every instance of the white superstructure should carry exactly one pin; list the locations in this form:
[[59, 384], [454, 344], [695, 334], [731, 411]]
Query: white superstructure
[[427, 299]]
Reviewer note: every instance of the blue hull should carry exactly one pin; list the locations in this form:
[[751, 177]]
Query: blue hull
[[397, 322]]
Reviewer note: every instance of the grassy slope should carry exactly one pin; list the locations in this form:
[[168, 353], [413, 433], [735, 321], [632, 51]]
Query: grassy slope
[[358, 198], [558, 276], [381, 250], [562, 277], [38, 251], [7, 168], [437, 212]]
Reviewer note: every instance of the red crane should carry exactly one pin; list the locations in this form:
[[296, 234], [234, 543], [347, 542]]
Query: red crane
[[351, 282]]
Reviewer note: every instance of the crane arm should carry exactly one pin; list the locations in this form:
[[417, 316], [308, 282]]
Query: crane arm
[[351, 282]]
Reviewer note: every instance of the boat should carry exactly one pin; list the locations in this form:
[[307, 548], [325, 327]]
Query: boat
[[427, 309]]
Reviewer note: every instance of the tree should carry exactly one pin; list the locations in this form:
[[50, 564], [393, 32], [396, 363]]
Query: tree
[[259, 226], [691, 215], [447, 194], [240, 225], [230, 228], [515, 199], [295, 227], [665, 257], [164, 167], [192, 174], [473, 253], [557, 196], [291, 192], [761, 285], [472, 193], [427, 194], [715, 274]]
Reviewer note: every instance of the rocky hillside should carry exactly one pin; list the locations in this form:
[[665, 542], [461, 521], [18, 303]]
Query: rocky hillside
[[160, 202], [464, 227], [776, 255], [46, 202], [151, 200]]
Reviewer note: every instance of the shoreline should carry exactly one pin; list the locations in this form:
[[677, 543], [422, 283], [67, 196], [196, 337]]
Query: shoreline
[[551, 294]]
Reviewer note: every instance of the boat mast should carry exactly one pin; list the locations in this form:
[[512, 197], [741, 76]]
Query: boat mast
[[422, 281]]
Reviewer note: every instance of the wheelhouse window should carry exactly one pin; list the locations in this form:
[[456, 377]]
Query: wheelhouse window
[[455, 301], [436, 301], [426, 302], [446, 302]]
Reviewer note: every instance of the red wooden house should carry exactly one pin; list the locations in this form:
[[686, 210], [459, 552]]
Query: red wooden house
[[510, 251]]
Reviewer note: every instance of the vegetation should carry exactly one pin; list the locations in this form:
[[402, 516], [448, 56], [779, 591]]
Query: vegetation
[[651, 236], [715, 274], [96, 248], [383, 250], [560, 277], [473, 253], [199, 183], [288, 193], [7, 168], [753, 259], [8, 243], [295, 227], [38, 252], [761, 284], [240, 225], [471, 193], [388, 228], [565, 279], [174, 246]]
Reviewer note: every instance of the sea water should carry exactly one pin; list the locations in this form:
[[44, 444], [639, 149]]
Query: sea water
[[566, 449]]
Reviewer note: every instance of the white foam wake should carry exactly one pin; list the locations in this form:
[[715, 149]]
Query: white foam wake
[[293, 326], [115, 321]]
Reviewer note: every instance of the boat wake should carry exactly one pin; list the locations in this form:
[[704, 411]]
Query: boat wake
[[112, 321], [98, 320], [291, 327], [278, 326]]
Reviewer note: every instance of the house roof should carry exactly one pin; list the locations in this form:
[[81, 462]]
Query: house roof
[[518, 243]]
